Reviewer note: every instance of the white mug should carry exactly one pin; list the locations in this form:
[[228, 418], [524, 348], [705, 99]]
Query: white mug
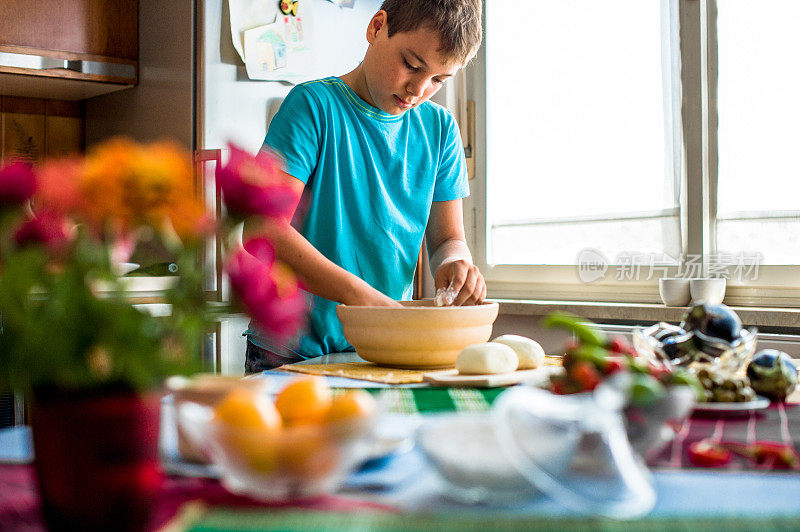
[[674, 291], [711, 291]]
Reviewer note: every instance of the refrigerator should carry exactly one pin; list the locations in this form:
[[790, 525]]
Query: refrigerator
[[193, 88]]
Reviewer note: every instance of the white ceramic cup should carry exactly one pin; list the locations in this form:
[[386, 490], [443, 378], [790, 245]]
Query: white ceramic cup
[[674, 291], [710, 291]]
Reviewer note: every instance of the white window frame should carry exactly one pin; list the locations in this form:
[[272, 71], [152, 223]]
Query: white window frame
[[694, 43]]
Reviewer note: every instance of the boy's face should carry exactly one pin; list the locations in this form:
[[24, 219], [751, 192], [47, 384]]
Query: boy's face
[[405, 70]]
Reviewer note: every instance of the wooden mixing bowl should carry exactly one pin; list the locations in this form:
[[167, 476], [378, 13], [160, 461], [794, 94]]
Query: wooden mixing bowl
[[420, 335]]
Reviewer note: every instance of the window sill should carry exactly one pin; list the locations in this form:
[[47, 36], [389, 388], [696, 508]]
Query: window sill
[[766, 319]]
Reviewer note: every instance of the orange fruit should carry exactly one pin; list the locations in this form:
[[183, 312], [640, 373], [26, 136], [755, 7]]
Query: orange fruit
[[307, 452], [249, 424], [352, 404], [304, 400], [257, 449], [244, 409]]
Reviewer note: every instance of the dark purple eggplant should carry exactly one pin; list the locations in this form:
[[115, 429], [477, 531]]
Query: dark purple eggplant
[[713, 321], [772, 374]]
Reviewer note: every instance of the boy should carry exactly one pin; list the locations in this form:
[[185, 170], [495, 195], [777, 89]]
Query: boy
[[382, 167]]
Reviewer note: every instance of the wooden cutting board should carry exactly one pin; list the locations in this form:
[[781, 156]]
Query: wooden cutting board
[[359, 370], [451, 377]]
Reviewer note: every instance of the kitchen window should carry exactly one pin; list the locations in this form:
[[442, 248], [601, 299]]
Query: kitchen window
[[758, 139], [625, 140]]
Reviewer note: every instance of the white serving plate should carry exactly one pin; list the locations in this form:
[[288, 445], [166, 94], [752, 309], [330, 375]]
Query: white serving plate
[[759, 403]]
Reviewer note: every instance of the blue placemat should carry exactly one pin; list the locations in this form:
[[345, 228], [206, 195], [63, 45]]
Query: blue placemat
[[16, 445]]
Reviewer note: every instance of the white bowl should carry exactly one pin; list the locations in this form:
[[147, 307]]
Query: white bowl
[[711, 291], [420, 335], [674, 292]]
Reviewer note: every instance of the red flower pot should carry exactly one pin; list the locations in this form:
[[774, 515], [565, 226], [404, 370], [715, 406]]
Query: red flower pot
[[96, 458]]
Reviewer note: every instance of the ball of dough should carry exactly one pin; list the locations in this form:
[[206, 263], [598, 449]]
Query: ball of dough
[[488, 358], [530, 353]]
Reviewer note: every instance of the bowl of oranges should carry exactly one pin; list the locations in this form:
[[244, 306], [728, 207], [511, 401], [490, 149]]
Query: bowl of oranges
[[301, 443]]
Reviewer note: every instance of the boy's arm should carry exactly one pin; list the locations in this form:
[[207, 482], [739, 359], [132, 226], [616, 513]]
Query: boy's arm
[[319, 275], [450, 259]]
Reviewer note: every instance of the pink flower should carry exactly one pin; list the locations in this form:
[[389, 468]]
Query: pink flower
[[250, 185], [17, 183], [261, 248], [265, 290], [58, 183], [47, 229]]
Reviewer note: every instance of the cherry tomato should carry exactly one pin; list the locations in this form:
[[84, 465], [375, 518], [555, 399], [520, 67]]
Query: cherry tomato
[[585, 374], [706, 454]]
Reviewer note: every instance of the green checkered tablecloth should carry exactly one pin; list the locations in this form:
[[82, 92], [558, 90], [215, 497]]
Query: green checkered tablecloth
[[436, 400], [226, 520]]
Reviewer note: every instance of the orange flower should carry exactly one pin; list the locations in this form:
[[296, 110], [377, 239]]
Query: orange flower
[[128, 185], [286, 282]]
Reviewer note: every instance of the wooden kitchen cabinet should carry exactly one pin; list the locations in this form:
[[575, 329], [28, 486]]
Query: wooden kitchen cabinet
[[63, 128], [86, 28], [68, 49], [23, 128], [32, 128]]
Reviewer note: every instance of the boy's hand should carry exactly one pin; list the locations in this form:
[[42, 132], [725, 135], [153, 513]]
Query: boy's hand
[[462, 283], [455, 275]]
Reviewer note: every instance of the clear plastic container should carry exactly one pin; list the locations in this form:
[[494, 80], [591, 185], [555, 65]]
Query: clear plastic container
[[572, 448], [465, 452], [724, 357], [575, 449], [298, 461]]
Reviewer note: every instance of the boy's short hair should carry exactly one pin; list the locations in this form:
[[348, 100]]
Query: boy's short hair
[[457, 21]]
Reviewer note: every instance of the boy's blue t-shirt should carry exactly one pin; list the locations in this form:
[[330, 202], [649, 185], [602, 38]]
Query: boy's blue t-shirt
[[370, 180]]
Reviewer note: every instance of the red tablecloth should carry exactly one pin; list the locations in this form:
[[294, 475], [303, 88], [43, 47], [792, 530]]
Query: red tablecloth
[[19, 499], [780, 423]]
